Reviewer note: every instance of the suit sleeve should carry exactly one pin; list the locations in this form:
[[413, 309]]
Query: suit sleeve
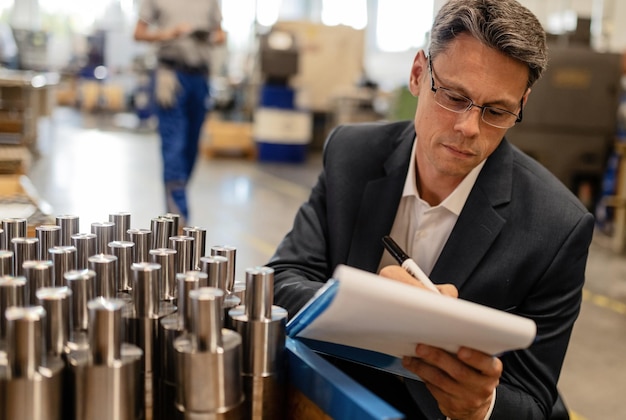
[[301, 259]]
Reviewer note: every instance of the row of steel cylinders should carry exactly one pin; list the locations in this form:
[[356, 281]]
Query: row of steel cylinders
[[116, 326]]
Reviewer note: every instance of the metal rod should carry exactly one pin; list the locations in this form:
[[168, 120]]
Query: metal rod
[[184, 253], [123, 251], [24, 249], [142, 239], [69, 226], [12, 293], [122, 224], [24, 338], [6, 262], [85, 244], [229, 252], [104, 265], [38, 274], [175, 218], [259, 293], [146, 289], [165, 257], [64, 260], [187, 282], [13, 228], [105, 332], [161, 228], [104, 234], [199, 236], [206, 318], [56, 302], [81, 284], [216, 268], [48, 236]]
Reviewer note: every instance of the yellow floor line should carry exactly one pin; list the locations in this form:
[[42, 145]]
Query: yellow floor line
[[574, 416], [604, 302]]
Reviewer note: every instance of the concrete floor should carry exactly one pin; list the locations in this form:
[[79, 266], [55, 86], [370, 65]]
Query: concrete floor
[[94, 165]]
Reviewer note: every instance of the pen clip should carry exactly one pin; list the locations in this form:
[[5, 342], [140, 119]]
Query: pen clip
[[394, 249]]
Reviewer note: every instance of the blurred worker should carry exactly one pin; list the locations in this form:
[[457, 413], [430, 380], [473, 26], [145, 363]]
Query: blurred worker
[[184, 31]]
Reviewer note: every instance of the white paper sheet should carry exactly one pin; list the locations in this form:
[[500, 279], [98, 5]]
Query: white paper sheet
[[378, 314]]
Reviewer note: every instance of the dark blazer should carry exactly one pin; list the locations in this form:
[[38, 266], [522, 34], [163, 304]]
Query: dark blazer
[[520, 245]]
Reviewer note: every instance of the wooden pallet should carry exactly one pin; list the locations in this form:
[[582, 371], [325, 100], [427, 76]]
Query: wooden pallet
[[228, 138]]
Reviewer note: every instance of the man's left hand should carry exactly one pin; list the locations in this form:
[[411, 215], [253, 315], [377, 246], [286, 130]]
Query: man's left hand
[[463, 383]]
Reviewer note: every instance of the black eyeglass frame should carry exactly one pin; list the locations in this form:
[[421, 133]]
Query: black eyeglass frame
[[471, 103]]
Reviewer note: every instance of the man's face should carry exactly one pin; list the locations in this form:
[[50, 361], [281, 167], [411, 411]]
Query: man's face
[[451, 144]]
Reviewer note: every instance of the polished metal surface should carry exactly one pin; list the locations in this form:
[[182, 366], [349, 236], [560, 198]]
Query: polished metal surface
[[209, 359], [82, 285], [262, 328], [122, 222], [48, 236], [85, 244], [199, 243], [106, 376], [143, 240], [30, 383], [38, 274], [161, 228], [216, 268], [230, 252], [24, 249], [123, 251], [13, 228], [105, 266], [104, 231], [175, 218], [184, 246], [142, 326], [6, 262], [69, 226], [56, 302], [12, 293], [165, 257], [63, 260]]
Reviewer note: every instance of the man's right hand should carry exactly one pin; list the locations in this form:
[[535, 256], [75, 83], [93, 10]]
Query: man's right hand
[[397, 273]]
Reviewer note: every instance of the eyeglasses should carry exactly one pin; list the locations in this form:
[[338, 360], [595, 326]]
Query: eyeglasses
[[455, 102]]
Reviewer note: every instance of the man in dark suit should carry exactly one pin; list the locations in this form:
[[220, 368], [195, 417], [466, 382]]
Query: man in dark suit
[[476, 214]]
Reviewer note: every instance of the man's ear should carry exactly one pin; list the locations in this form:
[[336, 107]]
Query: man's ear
[[525, 97], [418, 69]]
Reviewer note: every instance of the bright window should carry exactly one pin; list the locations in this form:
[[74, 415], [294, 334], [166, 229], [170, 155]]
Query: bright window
[[345, 12], [403, 24]]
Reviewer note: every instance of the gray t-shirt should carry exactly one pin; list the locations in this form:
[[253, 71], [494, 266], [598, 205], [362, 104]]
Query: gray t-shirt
[[202, 15]]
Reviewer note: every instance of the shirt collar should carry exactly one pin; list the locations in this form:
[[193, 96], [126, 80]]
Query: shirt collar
[[456, 200]]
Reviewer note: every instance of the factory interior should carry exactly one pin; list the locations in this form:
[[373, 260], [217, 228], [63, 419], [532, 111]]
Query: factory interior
[[79, 142]]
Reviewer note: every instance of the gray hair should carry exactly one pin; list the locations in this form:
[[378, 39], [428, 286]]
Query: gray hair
[[504, 25]]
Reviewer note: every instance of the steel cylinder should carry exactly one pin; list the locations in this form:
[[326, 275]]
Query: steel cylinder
[[12, 293], [85, 244], [184, 246], [166, 258], [69, 226], [122, 224], [106, 376], [24, 249], [6, 262], [230, 252], [104, 265], [48, 236], [262, 328], [208, 370], [104, 232], [199, 243], [31, 385], [63, 260], [123, 251], [38, 275], [13, 228], [143, 240], [56, 302]]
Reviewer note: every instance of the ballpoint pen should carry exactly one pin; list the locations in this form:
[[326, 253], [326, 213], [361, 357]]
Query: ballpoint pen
[[407, 263]]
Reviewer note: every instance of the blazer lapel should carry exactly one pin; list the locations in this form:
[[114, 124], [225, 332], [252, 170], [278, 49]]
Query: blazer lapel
[[379, 205], [480, 221]]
